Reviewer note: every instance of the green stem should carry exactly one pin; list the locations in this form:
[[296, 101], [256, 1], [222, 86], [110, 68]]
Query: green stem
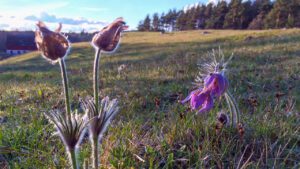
[[95, 152], [66, 88], [73, 158], [96, 78]]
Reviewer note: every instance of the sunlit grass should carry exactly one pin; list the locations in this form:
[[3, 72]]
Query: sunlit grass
[[161, 67]]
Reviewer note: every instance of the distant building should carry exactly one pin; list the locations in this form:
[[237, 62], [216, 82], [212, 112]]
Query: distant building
[[3, 36], [20, 42]]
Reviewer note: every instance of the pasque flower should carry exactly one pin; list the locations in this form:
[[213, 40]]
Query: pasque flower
[[99, 121], [109, 37], [215, 84], [70, 126], [53, 45], [71, 131], [211, 84], [101, 113]]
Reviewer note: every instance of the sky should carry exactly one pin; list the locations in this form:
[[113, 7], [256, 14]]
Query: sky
[[76, 15]]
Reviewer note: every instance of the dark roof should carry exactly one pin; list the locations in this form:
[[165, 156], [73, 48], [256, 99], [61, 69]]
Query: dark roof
[[20, 41]]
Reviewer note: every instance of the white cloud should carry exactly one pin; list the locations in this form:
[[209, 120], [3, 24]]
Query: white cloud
[[25, 17], [69, 24], [54, 19]]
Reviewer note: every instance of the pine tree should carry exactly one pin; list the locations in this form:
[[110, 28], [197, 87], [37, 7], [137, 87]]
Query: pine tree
[[147, 23], [284, 14], [141, 26], [170, 20], [191, 18], [201, 18], [249, 13], [208, 15], [234, 18], [217, 19], [261, 9], [162, 22], [294, 14], [155, 22], [181, 21], [238, 14], [277, 17]]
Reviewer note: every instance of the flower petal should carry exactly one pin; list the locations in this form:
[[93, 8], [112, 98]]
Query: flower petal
[[207, 105], [216, 83], [198, 99], [189, 96]]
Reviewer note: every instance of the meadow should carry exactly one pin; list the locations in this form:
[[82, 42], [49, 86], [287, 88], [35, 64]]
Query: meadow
[[153, 130]]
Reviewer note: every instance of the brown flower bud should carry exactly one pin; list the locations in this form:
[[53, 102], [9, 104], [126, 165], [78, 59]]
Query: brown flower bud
[[53, 45], [109, 37], [222, 118]]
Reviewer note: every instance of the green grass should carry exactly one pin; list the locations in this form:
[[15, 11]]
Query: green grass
[[161, 67]]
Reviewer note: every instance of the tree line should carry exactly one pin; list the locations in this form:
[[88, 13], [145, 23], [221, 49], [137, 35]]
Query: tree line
[[238, 14]]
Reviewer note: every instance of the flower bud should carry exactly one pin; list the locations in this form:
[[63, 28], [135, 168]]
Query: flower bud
[[109, 37], [53, 45]]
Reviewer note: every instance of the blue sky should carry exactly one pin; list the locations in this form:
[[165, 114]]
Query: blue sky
[[81, 14]]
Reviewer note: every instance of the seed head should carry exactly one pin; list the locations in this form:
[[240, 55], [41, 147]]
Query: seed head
[[99, 121], [71, 130]]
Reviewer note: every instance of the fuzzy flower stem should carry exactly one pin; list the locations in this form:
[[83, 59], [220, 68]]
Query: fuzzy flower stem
[[73, 158], [235, 105], [96, 78], [233, 108], [95, 152], [66, 87]]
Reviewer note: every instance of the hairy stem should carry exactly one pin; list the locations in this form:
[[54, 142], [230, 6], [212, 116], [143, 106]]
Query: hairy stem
[[235, 105], [73, 158], [233, 108], [96, 78], [66, 88], [230, 109], [95, 152]]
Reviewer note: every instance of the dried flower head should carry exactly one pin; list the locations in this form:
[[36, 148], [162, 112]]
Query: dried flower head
[[99, 121], [53, 45], [71, 130], [109, 37]]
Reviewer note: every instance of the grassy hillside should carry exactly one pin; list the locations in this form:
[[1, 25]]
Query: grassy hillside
[[153, 130]]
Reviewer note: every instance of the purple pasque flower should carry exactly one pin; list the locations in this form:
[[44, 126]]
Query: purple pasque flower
[[216, 83], [200, 98]]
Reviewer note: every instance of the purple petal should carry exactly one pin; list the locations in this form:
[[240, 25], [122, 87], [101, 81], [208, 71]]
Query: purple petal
[[207, 105], [217, 84], [197, 100], [208, 79], [189, 96]]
